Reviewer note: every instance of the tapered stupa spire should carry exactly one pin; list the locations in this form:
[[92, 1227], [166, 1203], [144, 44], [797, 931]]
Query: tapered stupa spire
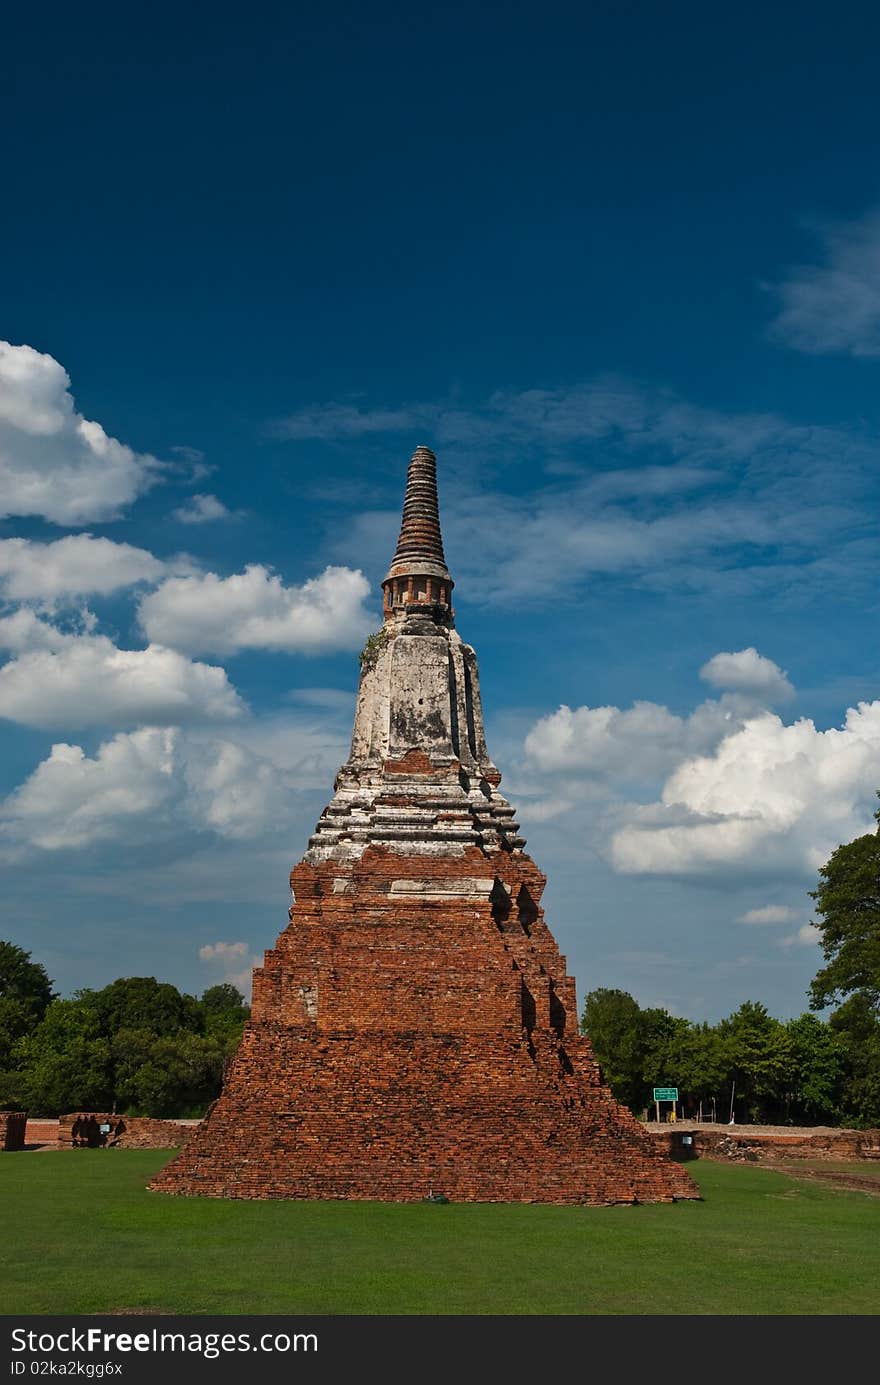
[[418, 573], [414, 1028]]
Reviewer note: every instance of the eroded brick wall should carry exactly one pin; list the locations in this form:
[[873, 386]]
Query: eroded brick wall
[[12, 1129], [414, 1030], [740, 1143], [82, 1129]]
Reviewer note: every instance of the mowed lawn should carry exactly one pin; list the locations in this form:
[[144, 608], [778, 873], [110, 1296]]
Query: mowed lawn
[[82, 1235]]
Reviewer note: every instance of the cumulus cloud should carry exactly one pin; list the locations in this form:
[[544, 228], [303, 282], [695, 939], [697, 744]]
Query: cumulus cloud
[[255, 610], [769, 794], [78, 565], [750, 673], [807, 935], [146, 785], [23, 631], [234, 960], [738, 789], [769, 914], [72, 800], [835, 307], [201, 509], [636, 743], [232, 791], [54, 462], [58, 679], [223, 952]]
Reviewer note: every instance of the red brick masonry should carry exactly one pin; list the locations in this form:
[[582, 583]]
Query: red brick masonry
[[764, 1145], [414, 1032], [82, 1129], [42, 1132], [12, 1129]]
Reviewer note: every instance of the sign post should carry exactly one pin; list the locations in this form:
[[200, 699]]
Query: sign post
[[664, 1094]]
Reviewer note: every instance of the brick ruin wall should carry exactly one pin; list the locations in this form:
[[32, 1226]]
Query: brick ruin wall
[[414, 1032], [12, 1129], [766, 1145], [42, 1132], [80, 1129]]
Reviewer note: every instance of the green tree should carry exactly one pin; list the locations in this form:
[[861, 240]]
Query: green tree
[[848, 910], [137, 1046], [856, 1027], [817, 1071], [696, 1061], [142, 1002], [65, 1064], [225, 1015], [758, 1053], [222, 998], [166, 1075], [25, 992], [611, 1020]]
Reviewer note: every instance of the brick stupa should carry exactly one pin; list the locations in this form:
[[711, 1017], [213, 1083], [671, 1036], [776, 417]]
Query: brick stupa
[[414, 1030]]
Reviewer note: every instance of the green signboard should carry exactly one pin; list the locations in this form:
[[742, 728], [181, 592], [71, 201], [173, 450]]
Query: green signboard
[[666, 1094]]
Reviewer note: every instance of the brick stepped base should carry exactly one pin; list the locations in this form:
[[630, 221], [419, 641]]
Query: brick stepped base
[[414, 1030], [393, 1118]]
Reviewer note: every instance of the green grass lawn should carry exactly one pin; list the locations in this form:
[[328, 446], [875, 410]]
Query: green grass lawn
[[82, 1235]]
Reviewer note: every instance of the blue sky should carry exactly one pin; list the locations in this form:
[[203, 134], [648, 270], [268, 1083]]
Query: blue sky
[[620, 267]]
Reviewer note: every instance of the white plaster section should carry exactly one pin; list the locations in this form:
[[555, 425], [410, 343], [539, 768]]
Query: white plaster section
[[465, 887], [420, 716], [420, 693]]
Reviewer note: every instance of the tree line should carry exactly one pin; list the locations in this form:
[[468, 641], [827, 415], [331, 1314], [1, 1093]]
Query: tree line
[[806, 1071], [809, 1070], [139, 1046]]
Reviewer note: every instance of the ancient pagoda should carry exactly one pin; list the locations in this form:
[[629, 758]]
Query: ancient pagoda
[[414, 1030]]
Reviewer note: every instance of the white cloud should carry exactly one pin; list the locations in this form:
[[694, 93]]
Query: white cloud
[[836, 307], [232, 791], [235, 961], [638, 483], [770, 794], [254, 610], [201, 509], [769, 914], [23, 631], [54, 462], [147, 785], [739, 791], [223, 952], [61, 680], [749, 673], [807, 935], [641, 742], [74, 566], [191, 463], [71, 800]]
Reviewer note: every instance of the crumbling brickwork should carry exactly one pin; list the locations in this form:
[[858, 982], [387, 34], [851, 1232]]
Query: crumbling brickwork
[[768, 1145], [419, 1039], [42, 1132], [12, 1129], [82, 1130], [414, 1029]]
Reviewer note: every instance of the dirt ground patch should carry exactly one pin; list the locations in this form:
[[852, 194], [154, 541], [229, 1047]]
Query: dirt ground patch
[[855, 1177]]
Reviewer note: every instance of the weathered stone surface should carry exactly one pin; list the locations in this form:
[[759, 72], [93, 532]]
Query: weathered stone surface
[[414, 1029]]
